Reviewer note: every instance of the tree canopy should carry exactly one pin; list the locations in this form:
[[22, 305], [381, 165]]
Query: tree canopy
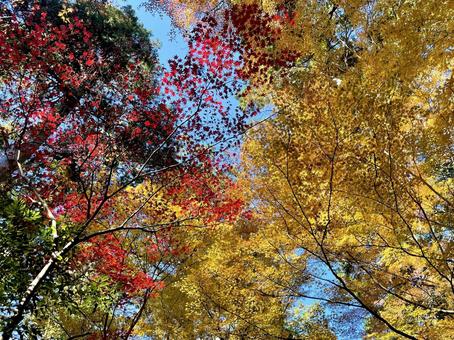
[[125, 210]]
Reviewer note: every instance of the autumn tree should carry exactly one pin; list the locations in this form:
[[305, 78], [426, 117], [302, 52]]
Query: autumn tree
[[117, 218], [354, 168], [104, 155]]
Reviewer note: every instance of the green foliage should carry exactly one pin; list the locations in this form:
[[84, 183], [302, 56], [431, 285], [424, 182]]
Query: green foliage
[[121, 36], [24, 240]]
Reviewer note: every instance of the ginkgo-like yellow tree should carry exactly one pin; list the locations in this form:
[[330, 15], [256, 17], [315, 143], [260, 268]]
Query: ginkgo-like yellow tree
[[357, 167]]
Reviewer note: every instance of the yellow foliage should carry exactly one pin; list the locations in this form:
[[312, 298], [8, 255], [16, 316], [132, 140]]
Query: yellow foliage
[[356, 169]]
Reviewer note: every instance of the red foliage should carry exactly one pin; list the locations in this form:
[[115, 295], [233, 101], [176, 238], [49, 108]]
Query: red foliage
[[108, 256], [206, 195], [199, 87], [258, 34], [85, 123]]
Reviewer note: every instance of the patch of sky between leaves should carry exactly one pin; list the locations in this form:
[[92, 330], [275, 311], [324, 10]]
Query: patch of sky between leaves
[[353, 329], [170, 39]]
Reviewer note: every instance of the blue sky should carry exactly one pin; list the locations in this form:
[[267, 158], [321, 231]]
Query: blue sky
[[161, 29]]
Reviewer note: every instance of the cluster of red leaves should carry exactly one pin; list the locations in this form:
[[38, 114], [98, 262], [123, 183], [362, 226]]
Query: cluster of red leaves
[[109, 257], [36, 59], [74, 117], [36, 44], [200, 85], [260, 32], [70, 108], [206, 197], [165, 245]]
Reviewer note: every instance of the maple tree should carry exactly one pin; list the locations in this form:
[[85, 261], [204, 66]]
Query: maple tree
[[354, 169], [105, 153]]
